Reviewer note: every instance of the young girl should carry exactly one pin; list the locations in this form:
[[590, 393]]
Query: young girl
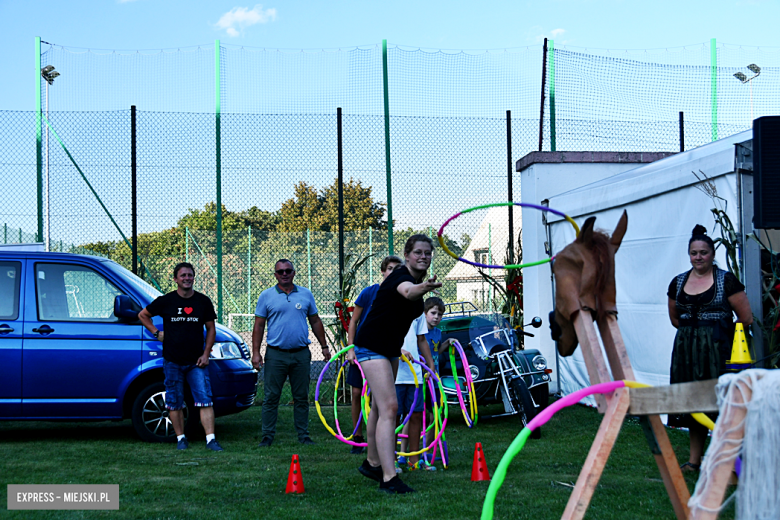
[[378, 346]]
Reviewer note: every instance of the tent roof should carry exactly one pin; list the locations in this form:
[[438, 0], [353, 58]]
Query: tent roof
[[495, 223], [713, 159]]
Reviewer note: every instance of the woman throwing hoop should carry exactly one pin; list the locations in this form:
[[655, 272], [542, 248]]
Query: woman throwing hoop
[[378, 346]]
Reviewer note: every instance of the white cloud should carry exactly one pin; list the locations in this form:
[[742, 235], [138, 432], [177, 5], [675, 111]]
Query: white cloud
[[239, 18], [537, 34]]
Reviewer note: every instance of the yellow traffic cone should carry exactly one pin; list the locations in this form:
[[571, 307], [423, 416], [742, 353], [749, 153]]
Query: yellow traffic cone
[[740, 354]]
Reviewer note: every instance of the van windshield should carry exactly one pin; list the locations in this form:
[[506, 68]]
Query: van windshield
[[134, 280]]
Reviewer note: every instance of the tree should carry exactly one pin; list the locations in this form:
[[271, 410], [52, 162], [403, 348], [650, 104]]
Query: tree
[[318, 211], [302, 212], [360, 210], [206, 219]]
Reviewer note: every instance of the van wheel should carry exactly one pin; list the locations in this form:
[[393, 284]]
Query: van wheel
[[150, 417]]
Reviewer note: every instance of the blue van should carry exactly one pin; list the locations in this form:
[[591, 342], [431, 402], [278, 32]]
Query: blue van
[[72, 348]]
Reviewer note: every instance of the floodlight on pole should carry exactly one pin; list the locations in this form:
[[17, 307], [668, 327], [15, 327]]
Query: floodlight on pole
[[756, 70], [49, 74]]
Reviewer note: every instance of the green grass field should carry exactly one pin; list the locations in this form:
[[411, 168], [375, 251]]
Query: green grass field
[[158, 482]]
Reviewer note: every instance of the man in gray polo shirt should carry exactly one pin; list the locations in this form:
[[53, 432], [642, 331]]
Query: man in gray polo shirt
[[285, 307]]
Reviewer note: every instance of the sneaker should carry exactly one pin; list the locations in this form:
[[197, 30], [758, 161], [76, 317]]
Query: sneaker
[[690, 467], [398, 469], [267, 441], [367, 470], [402, 460], [358, 450], [183, 444], [420, 465], [394, 486], [213, 445], [307, 441]]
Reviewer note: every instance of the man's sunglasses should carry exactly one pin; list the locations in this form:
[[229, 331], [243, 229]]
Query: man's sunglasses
[[285, 271]]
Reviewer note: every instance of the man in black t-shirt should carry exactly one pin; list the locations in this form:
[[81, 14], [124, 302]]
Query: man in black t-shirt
[[185, 313]]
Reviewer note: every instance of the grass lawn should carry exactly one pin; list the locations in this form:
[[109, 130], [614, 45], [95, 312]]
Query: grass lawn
[[157, 481]]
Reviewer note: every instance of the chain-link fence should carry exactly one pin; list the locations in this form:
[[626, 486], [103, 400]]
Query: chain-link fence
[[274, 165]]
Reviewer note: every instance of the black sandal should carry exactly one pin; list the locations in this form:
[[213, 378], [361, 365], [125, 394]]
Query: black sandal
[[690, 467]]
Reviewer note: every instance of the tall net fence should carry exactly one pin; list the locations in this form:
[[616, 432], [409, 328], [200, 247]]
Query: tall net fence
[[278, 149], [586, 85]]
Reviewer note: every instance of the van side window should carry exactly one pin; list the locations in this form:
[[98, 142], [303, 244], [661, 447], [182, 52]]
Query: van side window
[[74, 293], [10, 277]]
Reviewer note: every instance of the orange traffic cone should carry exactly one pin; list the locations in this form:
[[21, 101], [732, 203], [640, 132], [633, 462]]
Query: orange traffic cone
[[479, 470], [740, 354], [295, 478]]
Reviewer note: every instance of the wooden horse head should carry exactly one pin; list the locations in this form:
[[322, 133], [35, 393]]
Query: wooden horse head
[[585, 279]]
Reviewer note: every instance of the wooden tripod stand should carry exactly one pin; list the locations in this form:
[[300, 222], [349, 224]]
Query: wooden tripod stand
[[686, 397]]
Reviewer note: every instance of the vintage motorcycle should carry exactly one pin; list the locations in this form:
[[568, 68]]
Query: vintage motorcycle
[[501, 369]]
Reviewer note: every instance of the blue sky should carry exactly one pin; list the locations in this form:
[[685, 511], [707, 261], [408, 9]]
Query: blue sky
[[295, 24], [445, 153]]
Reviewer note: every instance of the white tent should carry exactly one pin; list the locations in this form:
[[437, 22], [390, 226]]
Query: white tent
[[663, 204]]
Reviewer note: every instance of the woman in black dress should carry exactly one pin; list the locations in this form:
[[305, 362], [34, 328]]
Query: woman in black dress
[[702, 302], [378, 347]]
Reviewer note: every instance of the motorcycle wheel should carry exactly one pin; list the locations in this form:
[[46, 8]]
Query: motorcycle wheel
[[521, 400], [541, 395]]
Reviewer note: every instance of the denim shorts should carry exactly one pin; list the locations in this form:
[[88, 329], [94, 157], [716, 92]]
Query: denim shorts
[[365, 354], [405, 395], [198, 379]]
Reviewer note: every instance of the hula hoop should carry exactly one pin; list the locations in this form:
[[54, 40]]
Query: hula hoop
[[416, 394], [335, 399], [470, 415], [319, 408], [494, 205], [446, 414], [541, 419], [437, 424], [364, 397]]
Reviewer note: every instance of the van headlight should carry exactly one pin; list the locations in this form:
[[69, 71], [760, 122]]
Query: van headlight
[[226, 350], [539, 363]]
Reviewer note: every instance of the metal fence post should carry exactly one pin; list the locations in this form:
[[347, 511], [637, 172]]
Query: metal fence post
[[249, 269], [387, 151], [371, 257], [544, 80], [510, 198], [490, 261], [133, 191], [553, 146], [341, 199], [714, 87], [308, 253], [218, 123], [430, 235], [38, 136]]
